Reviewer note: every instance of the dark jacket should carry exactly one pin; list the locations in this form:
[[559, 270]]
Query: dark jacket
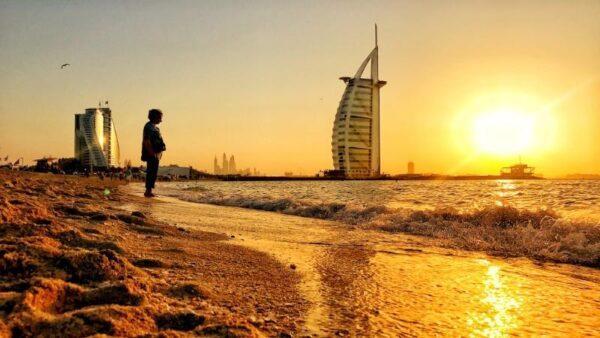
[[152, 133]]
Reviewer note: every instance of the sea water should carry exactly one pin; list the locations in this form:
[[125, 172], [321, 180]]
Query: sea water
[[571, 199], [361, 282]]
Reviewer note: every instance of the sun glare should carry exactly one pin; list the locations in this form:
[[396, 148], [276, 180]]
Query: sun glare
[[503, 132]]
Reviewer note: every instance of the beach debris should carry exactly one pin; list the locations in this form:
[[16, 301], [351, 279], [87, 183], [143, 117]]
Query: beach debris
[[293, 266], [106, 192], [64, 65]]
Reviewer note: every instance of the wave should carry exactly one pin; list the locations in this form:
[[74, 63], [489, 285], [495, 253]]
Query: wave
[[498, 230]]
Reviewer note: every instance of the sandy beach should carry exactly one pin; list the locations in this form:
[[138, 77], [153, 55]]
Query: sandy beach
[[74, 264], [81, 256]]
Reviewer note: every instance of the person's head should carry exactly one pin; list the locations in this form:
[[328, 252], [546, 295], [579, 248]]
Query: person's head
[[155, 116]]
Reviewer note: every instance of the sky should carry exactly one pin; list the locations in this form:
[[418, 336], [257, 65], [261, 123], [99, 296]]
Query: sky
[[259, 79]]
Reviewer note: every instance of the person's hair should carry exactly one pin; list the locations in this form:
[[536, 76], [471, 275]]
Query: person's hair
[[153, 114]]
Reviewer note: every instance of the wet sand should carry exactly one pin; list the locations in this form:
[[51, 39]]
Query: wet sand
[[74, 264], [361, 282]]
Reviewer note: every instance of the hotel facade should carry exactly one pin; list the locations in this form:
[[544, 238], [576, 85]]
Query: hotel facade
[[356, 143], [96, 142]]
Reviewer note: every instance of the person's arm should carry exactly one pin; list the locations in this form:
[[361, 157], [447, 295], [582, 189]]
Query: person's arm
[[148, 146]]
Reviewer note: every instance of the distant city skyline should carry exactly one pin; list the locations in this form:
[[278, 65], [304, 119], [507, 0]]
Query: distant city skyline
[[229, 167], [260, 79]]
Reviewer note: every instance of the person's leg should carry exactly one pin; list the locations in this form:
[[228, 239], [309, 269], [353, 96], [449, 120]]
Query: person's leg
[[151, 174], [155, 171]]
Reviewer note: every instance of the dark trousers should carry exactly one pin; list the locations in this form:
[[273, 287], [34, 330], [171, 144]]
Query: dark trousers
[[151, 172]]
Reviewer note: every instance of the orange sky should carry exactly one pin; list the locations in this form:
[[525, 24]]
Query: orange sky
[[260, 79]]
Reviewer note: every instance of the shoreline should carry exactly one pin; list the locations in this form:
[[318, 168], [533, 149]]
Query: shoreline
[[73, 263], [363, 281], [503, 231]]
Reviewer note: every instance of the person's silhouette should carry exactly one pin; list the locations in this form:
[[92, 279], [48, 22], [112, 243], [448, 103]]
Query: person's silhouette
[[152, 148]]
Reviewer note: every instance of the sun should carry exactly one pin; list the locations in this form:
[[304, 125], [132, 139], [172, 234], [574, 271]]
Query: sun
[[503, 131]]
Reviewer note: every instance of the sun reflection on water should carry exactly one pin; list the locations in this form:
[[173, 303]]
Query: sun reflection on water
[[498, 317]]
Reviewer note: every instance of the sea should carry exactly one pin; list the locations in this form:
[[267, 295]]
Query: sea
[[361, 281], [570, 199]]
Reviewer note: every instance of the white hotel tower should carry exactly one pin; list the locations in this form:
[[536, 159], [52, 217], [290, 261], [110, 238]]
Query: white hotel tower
[[355, 143], [96, 142]]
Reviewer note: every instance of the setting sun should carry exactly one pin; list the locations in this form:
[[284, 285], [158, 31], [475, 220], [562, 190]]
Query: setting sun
[[503, 132]]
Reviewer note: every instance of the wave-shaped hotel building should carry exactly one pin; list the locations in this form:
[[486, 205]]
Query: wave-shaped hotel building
[[356, 130], [96, 142]]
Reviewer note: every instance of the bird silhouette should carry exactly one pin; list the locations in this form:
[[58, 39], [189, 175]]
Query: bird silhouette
[[64, 65]]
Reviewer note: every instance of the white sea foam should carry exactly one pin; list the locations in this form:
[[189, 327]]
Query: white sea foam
[[551, 220]]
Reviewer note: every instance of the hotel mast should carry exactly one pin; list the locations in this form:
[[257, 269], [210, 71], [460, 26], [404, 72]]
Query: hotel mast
[[356, 142]]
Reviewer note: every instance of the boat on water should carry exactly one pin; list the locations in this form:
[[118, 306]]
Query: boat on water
[[518, 172]]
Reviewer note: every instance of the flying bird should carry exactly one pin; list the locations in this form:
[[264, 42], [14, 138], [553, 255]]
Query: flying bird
[[64, 65]]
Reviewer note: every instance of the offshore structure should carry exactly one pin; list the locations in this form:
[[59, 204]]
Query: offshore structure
[[517, 172], [96, 142], [356, 142]]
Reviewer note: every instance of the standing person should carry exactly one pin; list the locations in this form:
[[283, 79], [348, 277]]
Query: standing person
[[152, 148]]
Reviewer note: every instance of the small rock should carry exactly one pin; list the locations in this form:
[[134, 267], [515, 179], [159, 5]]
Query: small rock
[[293, 266]]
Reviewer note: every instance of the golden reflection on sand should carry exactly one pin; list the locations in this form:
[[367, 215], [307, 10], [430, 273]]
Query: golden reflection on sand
[[497, 318]]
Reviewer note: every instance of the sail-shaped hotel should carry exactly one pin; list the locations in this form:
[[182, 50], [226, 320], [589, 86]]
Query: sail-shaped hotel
[[355, 143]]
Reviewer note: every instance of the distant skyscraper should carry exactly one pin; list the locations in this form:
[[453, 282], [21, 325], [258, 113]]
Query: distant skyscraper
[[217, 169], [225, 166], [410, 168], [232, 167], [355, 142], [96, 141]]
